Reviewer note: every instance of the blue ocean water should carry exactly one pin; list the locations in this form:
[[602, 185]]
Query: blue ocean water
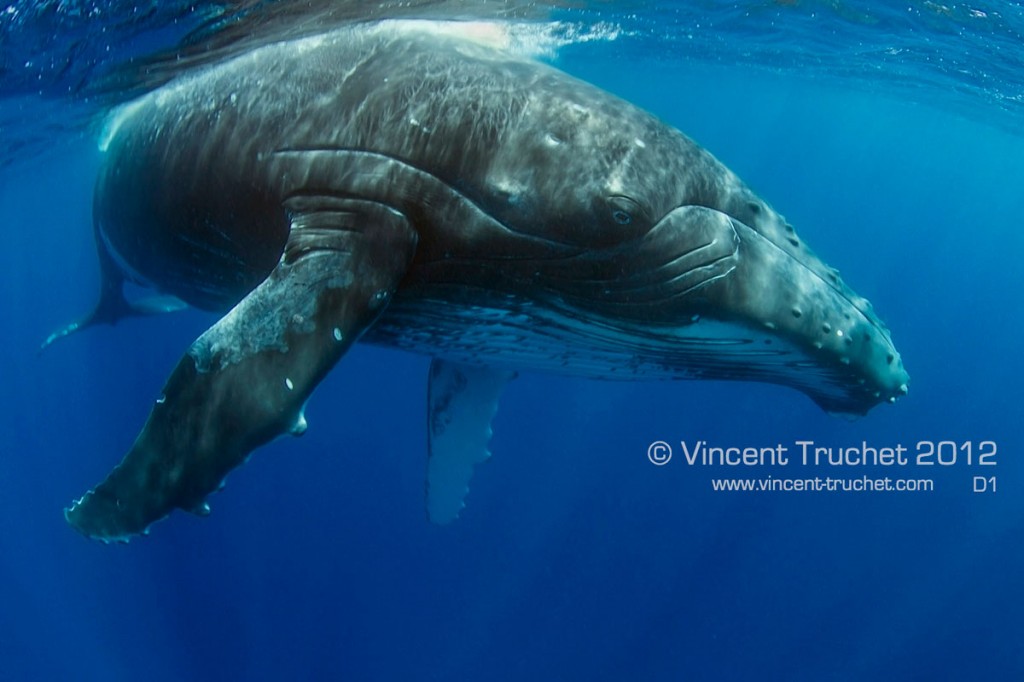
[[576, 558]]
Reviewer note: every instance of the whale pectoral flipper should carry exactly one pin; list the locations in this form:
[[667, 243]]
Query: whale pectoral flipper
[[463, 399], [246, 380]]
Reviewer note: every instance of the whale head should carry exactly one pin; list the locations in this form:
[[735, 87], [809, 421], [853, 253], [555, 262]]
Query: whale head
[[772, 308], [685, 269]]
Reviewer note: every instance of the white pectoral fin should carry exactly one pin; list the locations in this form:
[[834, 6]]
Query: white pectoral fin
[[462, 401]]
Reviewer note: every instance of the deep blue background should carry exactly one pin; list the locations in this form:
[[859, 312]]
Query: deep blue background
[[576, 559]]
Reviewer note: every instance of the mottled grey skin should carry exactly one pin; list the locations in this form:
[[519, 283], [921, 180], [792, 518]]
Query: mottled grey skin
[[433, 194]]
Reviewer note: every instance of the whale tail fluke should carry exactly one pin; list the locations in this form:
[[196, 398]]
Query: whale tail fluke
[[113, 305], [111, 311]]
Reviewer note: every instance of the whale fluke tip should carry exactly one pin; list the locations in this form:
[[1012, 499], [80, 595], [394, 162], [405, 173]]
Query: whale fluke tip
[[59, 334]]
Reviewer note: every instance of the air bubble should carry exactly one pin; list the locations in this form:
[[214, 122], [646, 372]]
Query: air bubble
[[289, 384], [337, 334]]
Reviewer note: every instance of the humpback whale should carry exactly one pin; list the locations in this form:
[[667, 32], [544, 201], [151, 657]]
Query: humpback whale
[[396, 184]]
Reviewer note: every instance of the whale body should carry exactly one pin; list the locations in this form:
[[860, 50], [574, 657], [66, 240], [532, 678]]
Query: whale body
[[406, 186]]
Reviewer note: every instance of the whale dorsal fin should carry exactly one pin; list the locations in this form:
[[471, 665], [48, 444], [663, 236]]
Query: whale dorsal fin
[[463, 399]]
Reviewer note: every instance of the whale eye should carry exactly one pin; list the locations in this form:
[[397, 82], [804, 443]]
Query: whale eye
[[624, 211]]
